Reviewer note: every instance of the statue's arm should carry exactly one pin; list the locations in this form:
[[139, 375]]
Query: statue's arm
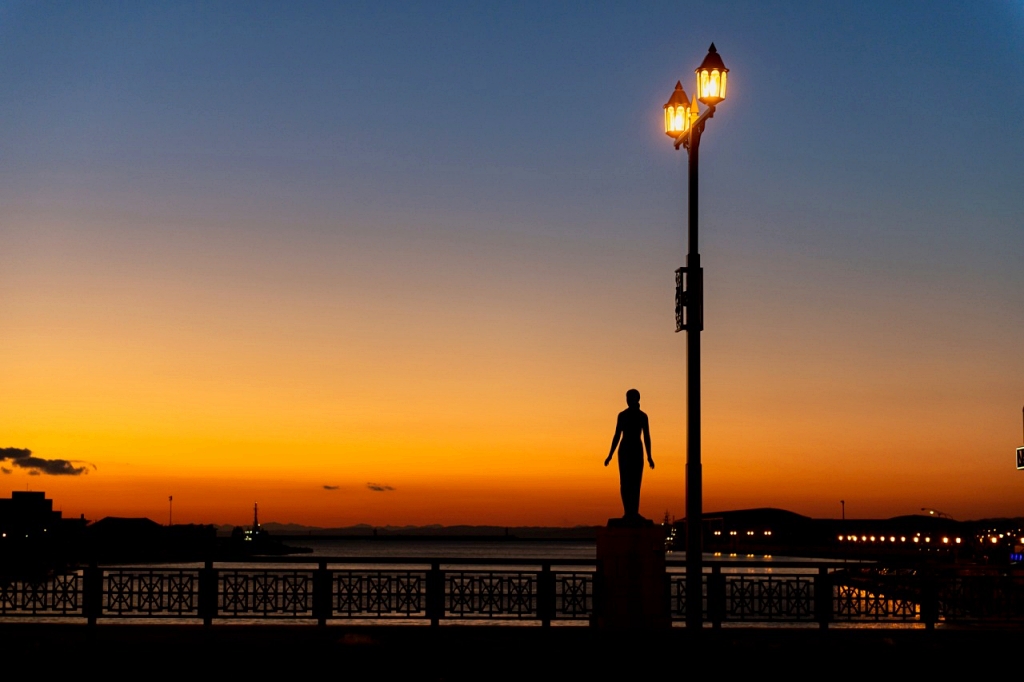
[[615, 441], [647, 442]]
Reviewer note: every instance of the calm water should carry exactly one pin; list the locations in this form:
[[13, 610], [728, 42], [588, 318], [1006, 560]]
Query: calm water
[[527, 550], [447, 549]]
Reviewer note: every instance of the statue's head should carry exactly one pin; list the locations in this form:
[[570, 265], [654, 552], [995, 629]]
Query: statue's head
[[633, 397]]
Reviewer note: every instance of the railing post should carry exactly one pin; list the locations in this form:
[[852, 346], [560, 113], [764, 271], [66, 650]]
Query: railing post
[[208, 593], [92, 593], [667, 591], [545, 595], [823, 603], [322, 585], [435, 594], [929, 598], [716, 596]]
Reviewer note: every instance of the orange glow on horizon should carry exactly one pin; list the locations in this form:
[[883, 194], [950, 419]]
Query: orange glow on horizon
[[265, 378]]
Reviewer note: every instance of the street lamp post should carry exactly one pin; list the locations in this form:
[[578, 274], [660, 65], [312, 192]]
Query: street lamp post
[[685, 124]]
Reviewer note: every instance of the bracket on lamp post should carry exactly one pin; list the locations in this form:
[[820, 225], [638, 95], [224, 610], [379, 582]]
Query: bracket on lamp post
[[689, 299], [695, 129]]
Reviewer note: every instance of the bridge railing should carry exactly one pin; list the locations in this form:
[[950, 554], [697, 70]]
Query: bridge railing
[[432, 591]]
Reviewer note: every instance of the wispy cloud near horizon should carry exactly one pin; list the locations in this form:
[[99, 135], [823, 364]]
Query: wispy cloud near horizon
[[379, 487]]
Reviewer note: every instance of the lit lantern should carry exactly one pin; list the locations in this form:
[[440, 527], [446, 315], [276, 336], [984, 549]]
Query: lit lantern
[[711, 78], [677, 112]]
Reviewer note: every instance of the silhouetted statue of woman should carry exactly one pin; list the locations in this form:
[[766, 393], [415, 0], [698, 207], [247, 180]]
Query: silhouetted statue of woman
[[631, 423]]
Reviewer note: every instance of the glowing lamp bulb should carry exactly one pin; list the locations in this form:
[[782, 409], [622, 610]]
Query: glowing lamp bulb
[[677, 112], [711, 78]]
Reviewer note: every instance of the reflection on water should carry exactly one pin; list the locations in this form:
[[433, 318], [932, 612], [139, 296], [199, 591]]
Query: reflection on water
[[540, 550]]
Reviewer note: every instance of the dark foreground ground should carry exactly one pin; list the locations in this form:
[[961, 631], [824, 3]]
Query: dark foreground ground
[[493, 652]]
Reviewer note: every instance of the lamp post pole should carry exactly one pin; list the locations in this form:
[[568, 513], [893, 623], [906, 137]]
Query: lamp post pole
[[683, 123], [694, 326]]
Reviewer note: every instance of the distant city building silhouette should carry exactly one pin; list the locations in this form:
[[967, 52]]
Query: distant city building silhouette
[[34, 537], [27, 513]]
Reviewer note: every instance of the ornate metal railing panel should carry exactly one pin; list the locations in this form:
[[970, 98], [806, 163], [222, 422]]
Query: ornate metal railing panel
[[768, 598], [265, 593], [574, 595], [379, 594], [491, 594], [853, 603], [56, 596], [677, 595], [150, 592], [980, 597]]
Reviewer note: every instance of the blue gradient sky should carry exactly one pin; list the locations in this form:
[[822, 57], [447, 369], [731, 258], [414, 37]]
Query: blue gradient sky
[[442, 219]]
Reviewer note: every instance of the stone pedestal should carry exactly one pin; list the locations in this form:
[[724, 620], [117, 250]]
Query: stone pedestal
[[631, 588]]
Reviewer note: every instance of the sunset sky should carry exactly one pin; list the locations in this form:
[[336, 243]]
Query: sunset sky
[[398, 263]]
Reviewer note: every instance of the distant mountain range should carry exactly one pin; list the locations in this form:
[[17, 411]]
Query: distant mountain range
[[767, 517]]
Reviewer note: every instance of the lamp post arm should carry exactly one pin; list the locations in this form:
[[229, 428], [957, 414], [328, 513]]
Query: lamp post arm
[[698, 125]]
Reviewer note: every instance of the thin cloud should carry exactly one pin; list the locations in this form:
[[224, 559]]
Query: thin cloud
[[330, 487], [5, 470], [379, 487], [23, 459]]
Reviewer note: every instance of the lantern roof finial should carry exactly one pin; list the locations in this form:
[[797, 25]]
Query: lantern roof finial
[[712, 61], [678, 96]]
